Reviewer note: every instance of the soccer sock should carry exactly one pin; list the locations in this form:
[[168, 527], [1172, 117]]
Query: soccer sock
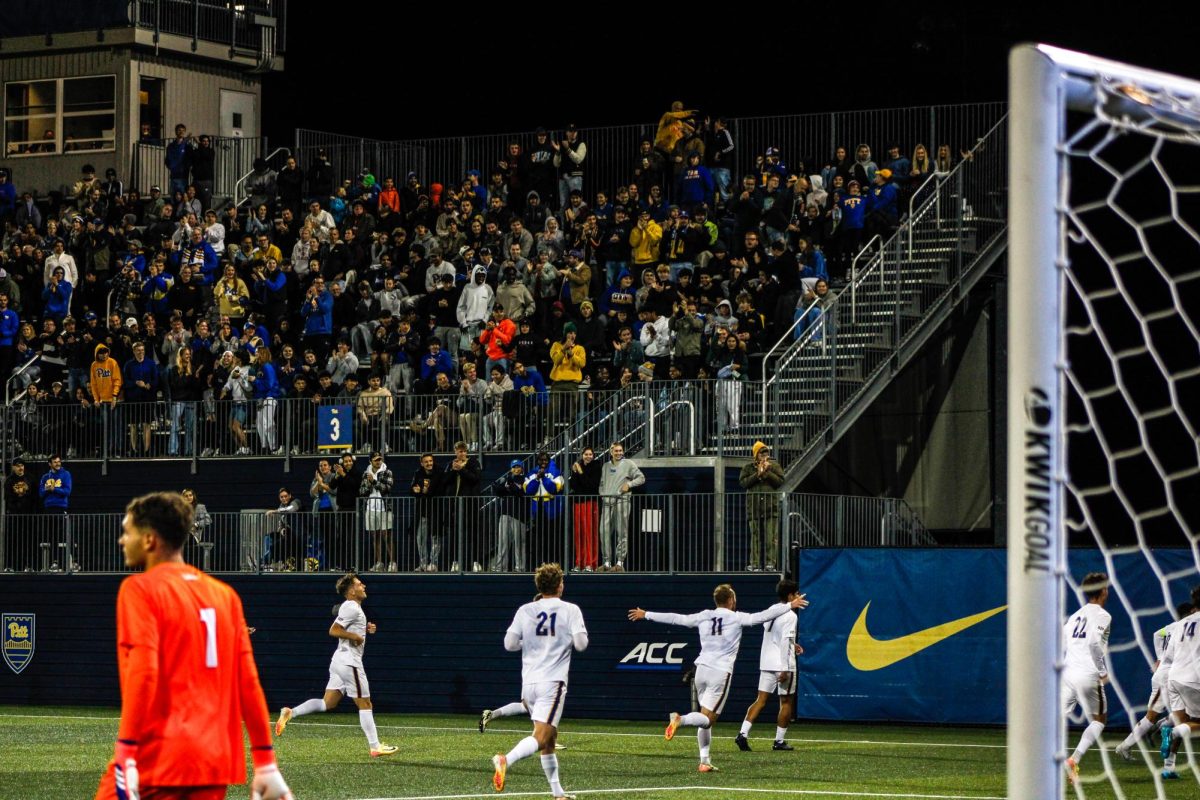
[[1169, 762], [366, 719], [1141, 729], [550, 767], [314, 706], [704, 739], [1182, 731], [780, 733], [695, 719], [746, 726], [510, 710], [524, 749], [1093, 730]]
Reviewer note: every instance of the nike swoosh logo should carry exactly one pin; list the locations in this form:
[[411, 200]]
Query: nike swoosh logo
[[866, 653]]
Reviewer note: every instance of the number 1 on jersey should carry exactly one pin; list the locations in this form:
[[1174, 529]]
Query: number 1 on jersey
[[717, 626], [209, 617], [541, 626]]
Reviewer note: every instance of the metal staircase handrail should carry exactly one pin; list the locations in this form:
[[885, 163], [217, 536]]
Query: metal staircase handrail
[[239, 188], [8, 398]]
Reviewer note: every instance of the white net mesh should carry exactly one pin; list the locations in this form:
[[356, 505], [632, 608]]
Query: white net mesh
[[1129, 213]]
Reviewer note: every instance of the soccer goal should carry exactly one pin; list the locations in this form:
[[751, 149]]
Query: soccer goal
[[1104, 387]]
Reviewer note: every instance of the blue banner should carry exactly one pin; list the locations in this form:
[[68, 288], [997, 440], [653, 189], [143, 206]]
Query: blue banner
[[335, 427], [920, 635]]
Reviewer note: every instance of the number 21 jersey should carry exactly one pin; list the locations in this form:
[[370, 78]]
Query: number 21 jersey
[[547, 629]]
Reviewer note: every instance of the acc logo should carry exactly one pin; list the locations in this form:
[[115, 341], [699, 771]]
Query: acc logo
[[653, 656], [18, 640], [1037, 407]]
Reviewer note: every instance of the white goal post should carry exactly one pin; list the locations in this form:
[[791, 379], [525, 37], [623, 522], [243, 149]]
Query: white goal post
[[1055, 94]]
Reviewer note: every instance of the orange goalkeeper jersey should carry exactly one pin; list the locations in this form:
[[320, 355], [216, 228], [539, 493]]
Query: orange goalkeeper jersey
[[188, 678]]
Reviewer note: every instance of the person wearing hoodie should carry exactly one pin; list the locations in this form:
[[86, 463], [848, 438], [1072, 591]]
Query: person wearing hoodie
[[761, 478], [512, 293], [618, 478], [54, 490], [533, 218], [542, 486], [620, 295], [497, 336], [567, 360], [540, 169], [593, 331], [643, 241], [883, 213], [140, 377], [863, 169], [722, 318], [475, 305], [509, 488], [687, 328], [317, 313]]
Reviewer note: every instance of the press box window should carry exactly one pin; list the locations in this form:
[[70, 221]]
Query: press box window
[[64, 115]]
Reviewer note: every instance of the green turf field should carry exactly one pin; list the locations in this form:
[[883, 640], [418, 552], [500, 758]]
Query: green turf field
[[54, 753]]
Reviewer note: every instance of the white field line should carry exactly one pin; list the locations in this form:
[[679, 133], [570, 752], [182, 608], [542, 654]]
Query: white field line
[[710, 789], [568, 733]]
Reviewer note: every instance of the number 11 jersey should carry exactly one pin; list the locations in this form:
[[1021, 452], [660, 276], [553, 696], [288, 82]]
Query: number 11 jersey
[[720, 631]]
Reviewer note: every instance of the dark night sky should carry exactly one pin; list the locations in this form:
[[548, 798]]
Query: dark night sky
[[507, 73]]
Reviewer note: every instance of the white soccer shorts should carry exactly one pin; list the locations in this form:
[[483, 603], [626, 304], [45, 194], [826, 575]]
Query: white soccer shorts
[[769, 682], [1086, 691], [1158, 693], [712, 688], [350, 681], [545, 701], [1185, 697]]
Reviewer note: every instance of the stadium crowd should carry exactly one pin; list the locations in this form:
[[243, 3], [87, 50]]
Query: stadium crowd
[[449, 304]]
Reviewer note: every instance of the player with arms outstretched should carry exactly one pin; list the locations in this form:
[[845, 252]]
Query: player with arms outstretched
[[346, 675], [188, 677], [544, 632], [720, 636], [1086, 672], [777, 672], [1156, 707]]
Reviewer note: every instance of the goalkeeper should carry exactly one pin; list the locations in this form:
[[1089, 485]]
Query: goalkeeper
[[188, 677]]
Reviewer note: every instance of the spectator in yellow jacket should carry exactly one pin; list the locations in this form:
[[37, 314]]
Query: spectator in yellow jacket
[[567, 360], [644, 239], [105, 377]]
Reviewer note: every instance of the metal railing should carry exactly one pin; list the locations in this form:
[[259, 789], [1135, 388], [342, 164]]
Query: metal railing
[[809, 382], [689, 532], [257, 25], [233, 159], [275, 159], [612, 151], [820, 520], [21, 376]]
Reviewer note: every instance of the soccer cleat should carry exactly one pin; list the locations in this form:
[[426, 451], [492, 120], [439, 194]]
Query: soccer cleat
[[782, 746], [740, 741], [484, 719], [1072, 770], [1165, 748], [672, 726], [706, 766], [500, 762], [1170, 775], [1124, 753], [285, 716], [558, 746], [384, 749]]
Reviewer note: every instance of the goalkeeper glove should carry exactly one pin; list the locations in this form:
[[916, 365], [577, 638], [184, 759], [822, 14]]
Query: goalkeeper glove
[[268, 783], [125, 771]]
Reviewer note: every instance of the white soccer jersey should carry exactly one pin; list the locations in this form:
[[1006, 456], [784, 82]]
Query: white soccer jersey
[[778, 645], [1183, 649], [1086, 637], [547, 630], [351, 617], [720, 631]]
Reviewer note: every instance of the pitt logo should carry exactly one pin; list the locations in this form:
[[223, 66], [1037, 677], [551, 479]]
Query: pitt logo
[[649, 656], [18, 640]]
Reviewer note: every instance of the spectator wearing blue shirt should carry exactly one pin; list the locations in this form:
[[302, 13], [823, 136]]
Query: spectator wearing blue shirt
[[140, 379], [317, 313], [534, 399], [853, 208], [435, 361], [10, 325], [8, 197], [56, 297], [54, 489], [883, 215], [266, 396], [695, 184], [542, 486], [178, 159]]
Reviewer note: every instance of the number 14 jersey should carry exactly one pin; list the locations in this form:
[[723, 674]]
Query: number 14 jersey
[[547, 629]]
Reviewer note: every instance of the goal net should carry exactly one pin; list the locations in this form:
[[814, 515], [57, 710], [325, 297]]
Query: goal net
[[1103, 396]]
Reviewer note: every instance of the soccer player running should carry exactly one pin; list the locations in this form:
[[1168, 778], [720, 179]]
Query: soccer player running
[[1183, 686], [188, 677], [777, 672], [346, 675], [1086, 671], [720, 637], [1156, 707], [544, 631]]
